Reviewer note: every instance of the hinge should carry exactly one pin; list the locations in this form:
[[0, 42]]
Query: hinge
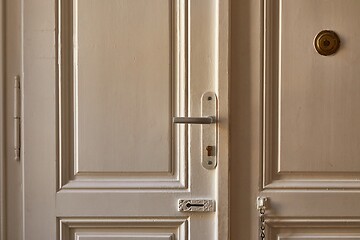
[[17, 118], [196, 205]]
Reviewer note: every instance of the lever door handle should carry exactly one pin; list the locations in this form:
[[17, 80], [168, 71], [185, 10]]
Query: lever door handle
[[208, 119], [194, 120]]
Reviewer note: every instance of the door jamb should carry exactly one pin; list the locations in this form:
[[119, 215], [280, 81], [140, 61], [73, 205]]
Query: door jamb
[[2, 122], [223, 80]]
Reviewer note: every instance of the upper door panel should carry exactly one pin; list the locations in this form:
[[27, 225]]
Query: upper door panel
[[122, 78], [312, 117]]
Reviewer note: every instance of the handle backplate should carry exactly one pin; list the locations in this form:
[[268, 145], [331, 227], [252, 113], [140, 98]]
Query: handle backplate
[[209, 131]]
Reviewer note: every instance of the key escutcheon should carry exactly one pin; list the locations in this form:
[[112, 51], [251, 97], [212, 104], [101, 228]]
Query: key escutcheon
[[196, 205]]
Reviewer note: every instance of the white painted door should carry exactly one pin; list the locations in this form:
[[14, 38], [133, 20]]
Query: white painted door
[[295, 120], [102, 80]]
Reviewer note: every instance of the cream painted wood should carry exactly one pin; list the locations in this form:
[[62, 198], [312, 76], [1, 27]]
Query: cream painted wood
[[127, 99], [115, 99], [124, 229], [13, 168], [102, 81], [2, 122], [298, 229], [10, 170], [294, 124], [311, 119]]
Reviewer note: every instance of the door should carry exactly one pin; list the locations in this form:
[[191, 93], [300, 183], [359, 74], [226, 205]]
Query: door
[[295, 120], [102, 156]]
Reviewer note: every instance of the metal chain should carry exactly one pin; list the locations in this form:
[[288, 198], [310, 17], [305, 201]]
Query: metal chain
[[262, 223], [261, 206]]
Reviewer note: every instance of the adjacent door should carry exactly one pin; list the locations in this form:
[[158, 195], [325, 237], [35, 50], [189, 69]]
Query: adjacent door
[[102, 81], [295, 120]]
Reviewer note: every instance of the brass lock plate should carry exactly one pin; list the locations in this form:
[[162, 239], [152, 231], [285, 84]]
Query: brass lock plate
[[327, 42]]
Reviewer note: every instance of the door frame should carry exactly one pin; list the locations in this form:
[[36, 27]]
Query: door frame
[[2, 122], [223, 31]]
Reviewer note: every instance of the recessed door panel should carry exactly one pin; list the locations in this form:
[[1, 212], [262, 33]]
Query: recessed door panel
[[319, 115], [123, 71], [123, 229], [317, 236], [122, 79], [311, 113], [324, 229], [121, 237]]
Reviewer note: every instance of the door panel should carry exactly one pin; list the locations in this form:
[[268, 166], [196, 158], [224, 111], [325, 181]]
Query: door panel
[[319, 94], [295, 125], [311, 230], [102, 81], [311, 113], [115, 126], [115, 99], [121, 229]]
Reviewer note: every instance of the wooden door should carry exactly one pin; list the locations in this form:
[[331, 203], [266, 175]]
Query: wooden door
[[101, 83], [295, 120]]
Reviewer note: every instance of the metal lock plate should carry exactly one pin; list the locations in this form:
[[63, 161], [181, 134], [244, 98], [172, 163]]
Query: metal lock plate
[[208, 120], [327, 42], [197, 205], [261, 203], [209, 131]]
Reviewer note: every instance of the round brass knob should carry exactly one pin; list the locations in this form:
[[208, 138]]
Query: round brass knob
[[327, 42]]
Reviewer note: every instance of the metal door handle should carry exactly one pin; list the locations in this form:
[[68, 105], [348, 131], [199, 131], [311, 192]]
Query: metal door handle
[[208, 120], [194, 120]]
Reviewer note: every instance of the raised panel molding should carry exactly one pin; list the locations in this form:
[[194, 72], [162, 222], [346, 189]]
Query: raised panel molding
[[124, 237], [71, 171], [316, 236], [284, 171], [118, 229], [2, 130], [311, 229]]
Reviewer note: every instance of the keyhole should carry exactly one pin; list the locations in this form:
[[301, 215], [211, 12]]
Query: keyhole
[[209, 150], [189, 205], [326, 43]]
